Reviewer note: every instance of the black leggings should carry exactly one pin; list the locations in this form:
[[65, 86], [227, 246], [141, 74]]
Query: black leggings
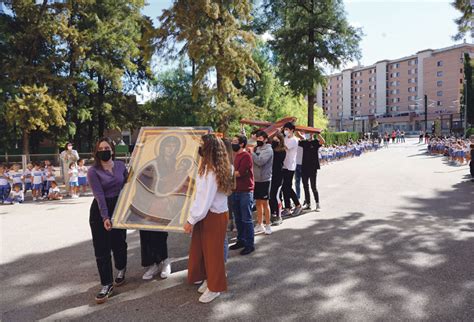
[[154, 247], [287, 187], [106, 242], [277, 180], [312, 178]]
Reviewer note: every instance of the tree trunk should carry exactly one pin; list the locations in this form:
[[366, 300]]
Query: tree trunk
[[100, 103], [311, 89], [26, 144]]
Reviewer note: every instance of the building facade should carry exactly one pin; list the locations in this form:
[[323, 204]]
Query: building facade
[[390, 94]]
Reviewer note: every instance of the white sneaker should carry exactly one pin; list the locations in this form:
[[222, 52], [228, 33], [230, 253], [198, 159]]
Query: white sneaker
[[268, 230], [150, 272], [259, 229], [34, 199], [165, 268], [209, 296], [318, 207], [203, 288]]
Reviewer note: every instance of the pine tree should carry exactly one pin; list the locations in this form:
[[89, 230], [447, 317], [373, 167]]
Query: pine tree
[[308, 36]]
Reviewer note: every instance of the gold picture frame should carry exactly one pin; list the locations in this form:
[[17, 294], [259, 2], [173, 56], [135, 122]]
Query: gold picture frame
[[161, 183]]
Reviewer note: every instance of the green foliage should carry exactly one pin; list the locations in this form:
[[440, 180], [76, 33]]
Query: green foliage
[[469, 89], [309, 35], [340, 138], [463, 22], [216, 39], [33, 109], [90, 54]]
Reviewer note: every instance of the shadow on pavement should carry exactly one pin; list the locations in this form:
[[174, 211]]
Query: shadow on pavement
[[415, 264]]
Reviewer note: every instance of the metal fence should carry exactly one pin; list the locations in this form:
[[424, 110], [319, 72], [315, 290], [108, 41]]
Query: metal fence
[[23, 159]]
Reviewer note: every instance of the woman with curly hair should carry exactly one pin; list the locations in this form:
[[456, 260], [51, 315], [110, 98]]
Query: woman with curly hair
[[208, 220]]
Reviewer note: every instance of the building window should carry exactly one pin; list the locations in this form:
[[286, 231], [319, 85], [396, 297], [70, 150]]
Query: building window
[[439, 74], [439, 63], [439, 83], [439, 93], [460, 70], [439, 103]]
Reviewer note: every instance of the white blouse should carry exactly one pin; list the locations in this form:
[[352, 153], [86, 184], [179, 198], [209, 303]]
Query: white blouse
[[207, 198]]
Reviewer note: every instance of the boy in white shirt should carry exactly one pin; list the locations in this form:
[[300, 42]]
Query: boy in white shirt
[[16, 176], [37, 181], [27, 177], [54, 193], [74, 179], [16, 195], [82, 175], [289, 167]]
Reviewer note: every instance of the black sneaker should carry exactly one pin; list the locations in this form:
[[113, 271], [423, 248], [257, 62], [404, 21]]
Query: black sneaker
[[104, 293], [247, 250], [237, 245], [120, 279], [307, 206]]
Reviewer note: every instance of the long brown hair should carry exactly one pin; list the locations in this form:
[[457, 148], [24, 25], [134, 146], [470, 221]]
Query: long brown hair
[[97, 162], [281, 145], [215, 159]]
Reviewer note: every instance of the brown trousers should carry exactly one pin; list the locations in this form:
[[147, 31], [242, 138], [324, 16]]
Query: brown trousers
[[206, 254]]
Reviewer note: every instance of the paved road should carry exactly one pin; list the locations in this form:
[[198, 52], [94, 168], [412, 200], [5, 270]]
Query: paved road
[[394, 241]]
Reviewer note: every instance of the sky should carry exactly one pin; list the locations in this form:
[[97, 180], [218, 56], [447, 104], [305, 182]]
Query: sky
[[392, 28]]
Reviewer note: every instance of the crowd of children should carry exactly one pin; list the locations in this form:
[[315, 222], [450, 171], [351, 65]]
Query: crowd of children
[[457, 150], [352, 149], [40, 179]]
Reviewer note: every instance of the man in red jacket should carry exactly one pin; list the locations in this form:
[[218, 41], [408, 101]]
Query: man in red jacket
[[242, 196]]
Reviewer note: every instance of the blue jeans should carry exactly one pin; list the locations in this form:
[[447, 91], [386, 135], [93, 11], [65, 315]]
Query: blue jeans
[[4, 192], [242, 202], [298, 180]]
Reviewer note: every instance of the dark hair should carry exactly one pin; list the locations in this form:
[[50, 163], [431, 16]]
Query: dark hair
[[289, 125], [281, 144], [81, 159], [228, 147], [65, 147], [96, 149], [54, 182], [262, 134], [71, 164], [37, 163], [242, 139]]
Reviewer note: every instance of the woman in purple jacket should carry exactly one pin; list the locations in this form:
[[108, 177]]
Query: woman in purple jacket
[[106, 178]]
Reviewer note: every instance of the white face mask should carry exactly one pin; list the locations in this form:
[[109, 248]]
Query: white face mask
[[307, 136], [287, 133]]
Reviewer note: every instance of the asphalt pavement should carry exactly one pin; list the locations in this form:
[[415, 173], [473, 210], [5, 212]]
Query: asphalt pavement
[[394, 242]]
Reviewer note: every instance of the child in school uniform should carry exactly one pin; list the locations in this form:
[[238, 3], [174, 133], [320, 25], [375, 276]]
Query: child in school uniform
[[45, 167], [27, 177], [82, 175], [73, 179], [16, 195], [16, 176], [54, 193], [49, 173], [37, 181], [4, 184]]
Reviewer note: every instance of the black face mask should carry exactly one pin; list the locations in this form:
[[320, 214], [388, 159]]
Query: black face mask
[[201, 154], [274, 144], [259, 143], [104, 155], [235, 147]]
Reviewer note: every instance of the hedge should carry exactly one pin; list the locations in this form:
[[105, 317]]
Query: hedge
[[339, 138]]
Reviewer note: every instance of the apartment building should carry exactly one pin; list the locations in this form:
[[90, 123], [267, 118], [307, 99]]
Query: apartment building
[[390, 93]]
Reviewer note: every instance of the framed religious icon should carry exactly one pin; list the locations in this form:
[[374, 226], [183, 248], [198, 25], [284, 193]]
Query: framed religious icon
[[161, 183]]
